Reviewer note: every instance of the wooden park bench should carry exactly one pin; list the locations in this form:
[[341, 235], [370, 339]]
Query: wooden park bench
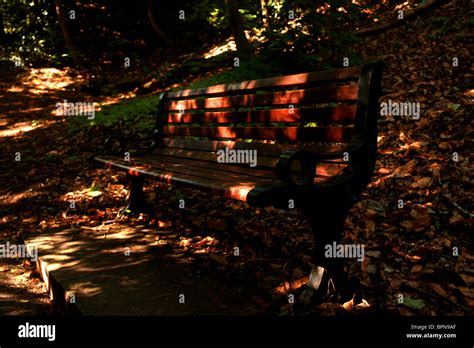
[[315, 137]]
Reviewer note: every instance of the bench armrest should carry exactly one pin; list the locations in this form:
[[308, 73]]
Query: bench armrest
[[307, 167], [308, 162], [111, 141]]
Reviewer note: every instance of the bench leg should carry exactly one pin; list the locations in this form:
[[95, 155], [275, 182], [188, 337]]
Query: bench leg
[[327, 223], [136, 198]]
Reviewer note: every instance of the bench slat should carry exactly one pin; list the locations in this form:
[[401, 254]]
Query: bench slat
[[328, 134], [265, 166], [343, 113], [231, 189], [210, 158], [279, 81], [179, 165], [300, 96], [262, 148], [242, 171]]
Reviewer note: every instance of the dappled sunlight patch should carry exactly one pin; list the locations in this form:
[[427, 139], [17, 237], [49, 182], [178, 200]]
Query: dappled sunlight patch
[[352, 305], [15, 89], [57, 261], [17, 197], [469, 93], [199, 245], [22, 127], [86, 194], [228, 45], [45, 80], [115, 232], [240, 192], [111, 100], [86, 289]]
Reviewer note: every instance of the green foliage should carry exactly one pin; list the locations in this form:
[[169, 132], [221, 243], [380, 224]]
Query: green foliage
[[138, 113], [310, 33], [217, 18], [129, 111], [413, 303], [215, 13], [254, 68], [31, 32], [95, 190]]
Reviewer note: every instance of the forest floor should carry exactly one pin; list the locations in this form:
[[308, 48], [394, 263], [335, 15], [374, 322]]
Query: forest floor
[[415, 219]]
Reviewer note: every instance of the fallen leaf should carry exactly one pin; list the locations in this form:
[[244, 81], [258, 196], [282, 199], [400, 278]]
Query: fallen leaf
[[373, 253], [455, 219], [349, 305], [413, 303], [219, 259], [384, 171], [372, 269], [94, 193], [444, 145], [185, 242], [363, 304], [206, 241], [329, 308], [422, 183], [395, 284], [294, 285], [469, 302], [405, 170], [466, 291], [468, 279], [422, 216], [454, 106], [196, 222], [217, 225], [437, 289]]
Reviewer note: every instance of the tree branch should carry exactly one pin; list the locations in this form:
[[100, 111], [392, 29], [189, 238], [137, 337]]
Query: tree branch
[[408, 15], [156, 27]]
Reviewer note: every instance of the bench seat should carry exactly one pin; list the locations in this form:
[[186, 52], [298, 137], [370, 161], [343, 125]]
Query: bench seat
[[230, 181]]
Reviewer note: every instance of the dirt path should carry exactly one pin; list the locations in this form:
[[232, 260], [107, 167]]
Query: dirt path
[[29, 129]]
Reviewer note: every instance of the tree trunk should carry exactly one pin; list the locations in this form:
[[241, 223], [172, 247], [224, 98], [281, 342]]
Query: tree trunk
[[263, 5], [66, 33], [2, 29], [237, 27], [151, 19]]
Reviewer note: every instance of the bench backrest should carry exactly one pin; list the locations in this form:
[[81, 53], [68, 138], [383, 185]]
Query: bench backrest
[[326, 111]]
